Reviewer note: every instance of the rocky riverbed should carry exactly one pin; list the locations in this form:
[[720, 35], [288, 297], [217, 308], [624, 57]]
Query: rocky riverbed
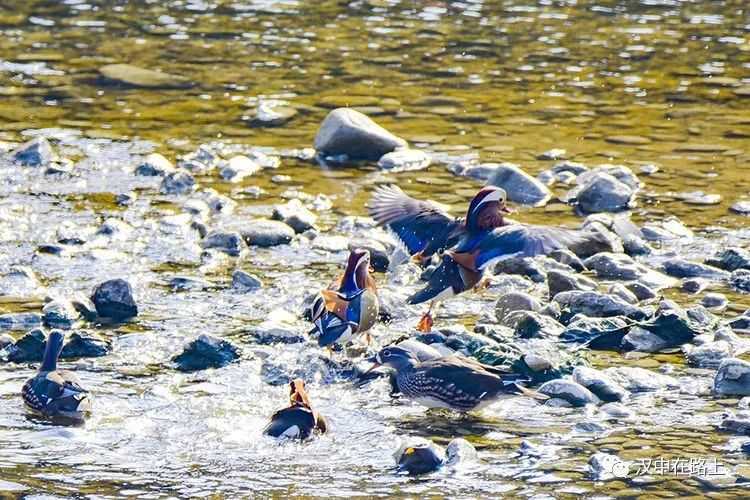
[[169, 200]]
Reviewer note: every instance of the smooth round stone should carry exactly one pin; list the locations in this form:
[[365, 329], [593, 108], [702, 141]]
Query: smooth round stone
[[271, 115], [348, 132], [741, 207], [154, 164], [238, 167], [296, 215], [402, 160], [552, 154], [267, 233], [519, 186], [569, 391], [227, 242], [59, 314], [714, 301], [700, 198], [733, 378]]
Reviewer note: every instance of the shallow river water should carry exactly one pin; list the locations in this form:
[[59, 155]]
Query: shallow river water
[[636, 83]]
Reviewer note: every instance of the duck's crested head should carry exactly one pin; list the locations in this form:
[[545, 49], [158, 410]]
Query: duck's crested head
[[357, 269], [487, 208], [395, 357], [297, 393], [52, 351], [419, 456]]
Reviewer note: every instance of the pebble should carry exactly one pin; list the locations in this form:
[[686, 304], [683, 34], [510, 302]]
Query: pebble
[[636, 379], [238, 167], [266, 233], [530, 324], [741, 207], [573, 393], [19, 321], [552, 154], [714, 300], [244, 282], [272, 115], [178, 182], [560, 281], [403, 160], [519, 186], [296, 215], [230, 243]]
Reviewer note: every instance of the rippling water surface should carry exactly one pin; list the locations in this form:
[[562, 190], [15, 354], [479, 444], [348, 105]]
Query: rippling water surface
[[650, 82]]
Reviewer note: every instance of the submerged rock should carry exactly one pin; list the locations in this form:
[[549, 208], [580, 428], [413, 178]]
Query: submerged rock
[[636, 379], [133, 76], [599, 383], [228, 242], [19, 321], [205, 352], [59, 314], [348, 132], [154, 165], [114, 299], [296, 215], [244, 282], [35, 153], [520, 186], [403, 160], [732, 378], [569, 391], [266, 233], [85, 346]]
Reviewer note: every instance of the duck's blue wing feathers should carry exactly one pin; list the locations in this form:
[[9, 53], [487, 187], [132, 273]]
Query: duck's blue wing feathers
[[421, 226], [522, 240]]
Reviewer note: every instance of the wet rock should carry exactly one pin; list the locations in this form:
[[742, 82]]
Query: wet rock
[[85, 346], [178, 182], [619, 290], [622, 267], [228, 242], [266, 233], [597, 304], [403, 160], [670, 228], [330, 243], [573, 393], [205, 352], [296, 215], [564, 256], [585, 329], [244, 282], [717, 301], [200, 161], [59, 314], [699, 198], [702, 316], [601, 193], [133, 76], [184, 283], [524, 266], [115, 228], [529, 324], [348, 132], [5, 342], [269, 114], [35, 153], [732, 378], [605, 467], [731, 259], [558, 281], [738, 423], [681, 268], [740, 279], [519, 186], [641, 291], [114, 299], [515, 301], [599, 383], [635, 245], [20, 281], [28, 349], [740, 207], [218, 203], [636, 379], [238, 167], [568, 166], [196, 207], [479, 171], [19, 321], [668, 328], [154, 165], [694, 285], [272, 333], [709, 355]]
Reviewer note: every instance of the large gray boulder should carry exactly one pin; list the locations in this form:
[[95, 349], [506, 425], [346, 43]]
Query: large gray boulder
[[602, 193], [520, 186], [114, 299], [348, 132], [733, 378]]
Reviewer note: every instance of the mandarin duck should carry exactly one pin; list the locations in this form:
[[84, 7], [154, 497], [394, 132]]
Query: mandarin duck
[[422, 456], [452, 382], [56, 394], [469, 246], [350, 306], [299, 420]]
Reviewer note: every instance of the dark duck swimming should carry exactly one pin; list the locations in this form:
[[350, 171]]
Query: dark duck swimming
[[350, 306], [451, 382], [299, 420], [469, 245], [56, 394]]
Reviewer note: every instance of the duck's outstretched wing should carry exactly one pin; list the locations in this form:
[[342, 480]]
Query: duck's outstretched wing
[[523, 240], [422, 226]]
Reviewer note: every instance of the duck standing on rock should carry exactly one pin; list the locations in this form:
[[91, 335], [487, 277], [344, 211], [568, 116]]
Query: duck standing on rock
[[470, 245], [351, 306], [56, 394], [299, 420], [451, 382]]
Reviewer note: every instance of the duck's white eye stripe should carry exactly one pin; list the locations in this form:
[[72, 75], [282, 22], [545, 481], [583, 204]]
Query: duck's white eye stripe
[[497, 195]]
